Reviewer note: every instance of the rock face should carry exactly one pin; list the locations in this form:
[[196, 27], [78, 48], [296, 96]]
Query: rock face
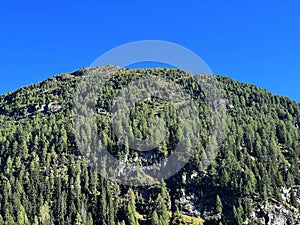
[[273, 213], [54, 106], [270, 213]]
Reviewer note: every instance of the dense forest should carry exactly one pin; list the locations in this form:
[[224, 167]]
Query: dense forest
[[44, 179]]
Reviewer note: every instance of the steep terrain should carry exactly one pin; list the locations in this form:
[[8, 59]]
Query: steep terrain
[[44, 179]]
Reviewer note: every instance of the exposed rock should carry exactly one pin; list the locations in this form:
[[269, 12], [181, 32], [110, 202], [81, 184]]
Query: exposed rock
[[54, 106], [273, 213]]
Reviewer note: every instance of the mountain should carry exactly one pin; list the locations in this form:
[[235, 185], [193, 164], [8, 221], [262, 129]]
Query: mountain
[[45, 179]]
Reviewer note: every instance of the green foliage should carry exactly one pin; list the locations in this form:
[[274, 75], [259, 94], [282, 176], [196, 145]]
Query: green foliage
[[45, 217], [219, 205], [45, 180]]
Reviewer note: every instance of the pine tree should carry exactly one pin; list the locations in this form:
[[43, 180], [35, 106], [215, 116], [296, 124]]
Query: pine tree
[[238, 214], [78, 219], [155, 219], [22, 218], [1, 220], [165, 194], [162, 211], [131, 210], [219, 205], [89, 220], [45, 217]]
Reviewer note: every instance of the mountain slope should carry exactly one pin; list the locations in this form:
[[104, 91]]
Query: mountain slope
[[45, 180]]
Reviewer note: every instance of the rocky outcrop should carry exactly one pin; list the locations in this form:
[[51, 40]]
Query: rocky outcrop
[[273, 213]]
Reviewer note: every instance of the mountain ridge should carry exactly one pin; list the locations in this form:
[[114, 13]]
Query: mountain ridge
[[80, 72]]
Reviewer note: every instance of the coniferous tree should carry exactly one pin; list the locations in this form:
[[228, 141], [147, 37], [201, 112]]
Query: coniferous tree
[[131, 209], [219, 205], [155, 219]]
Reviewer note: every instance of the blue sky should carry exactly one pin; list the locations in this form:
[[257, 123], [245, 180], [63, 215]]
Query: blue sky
[[251, 41]]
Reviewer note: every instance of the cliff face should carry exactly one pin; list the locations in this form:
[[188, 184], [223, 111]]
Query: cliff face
[[271, 212], [45, 178], [274, 213]]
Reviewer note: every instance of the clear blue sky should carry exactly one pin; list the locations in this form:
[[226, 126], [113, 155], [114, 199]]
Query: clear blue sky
[[256, 42]]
